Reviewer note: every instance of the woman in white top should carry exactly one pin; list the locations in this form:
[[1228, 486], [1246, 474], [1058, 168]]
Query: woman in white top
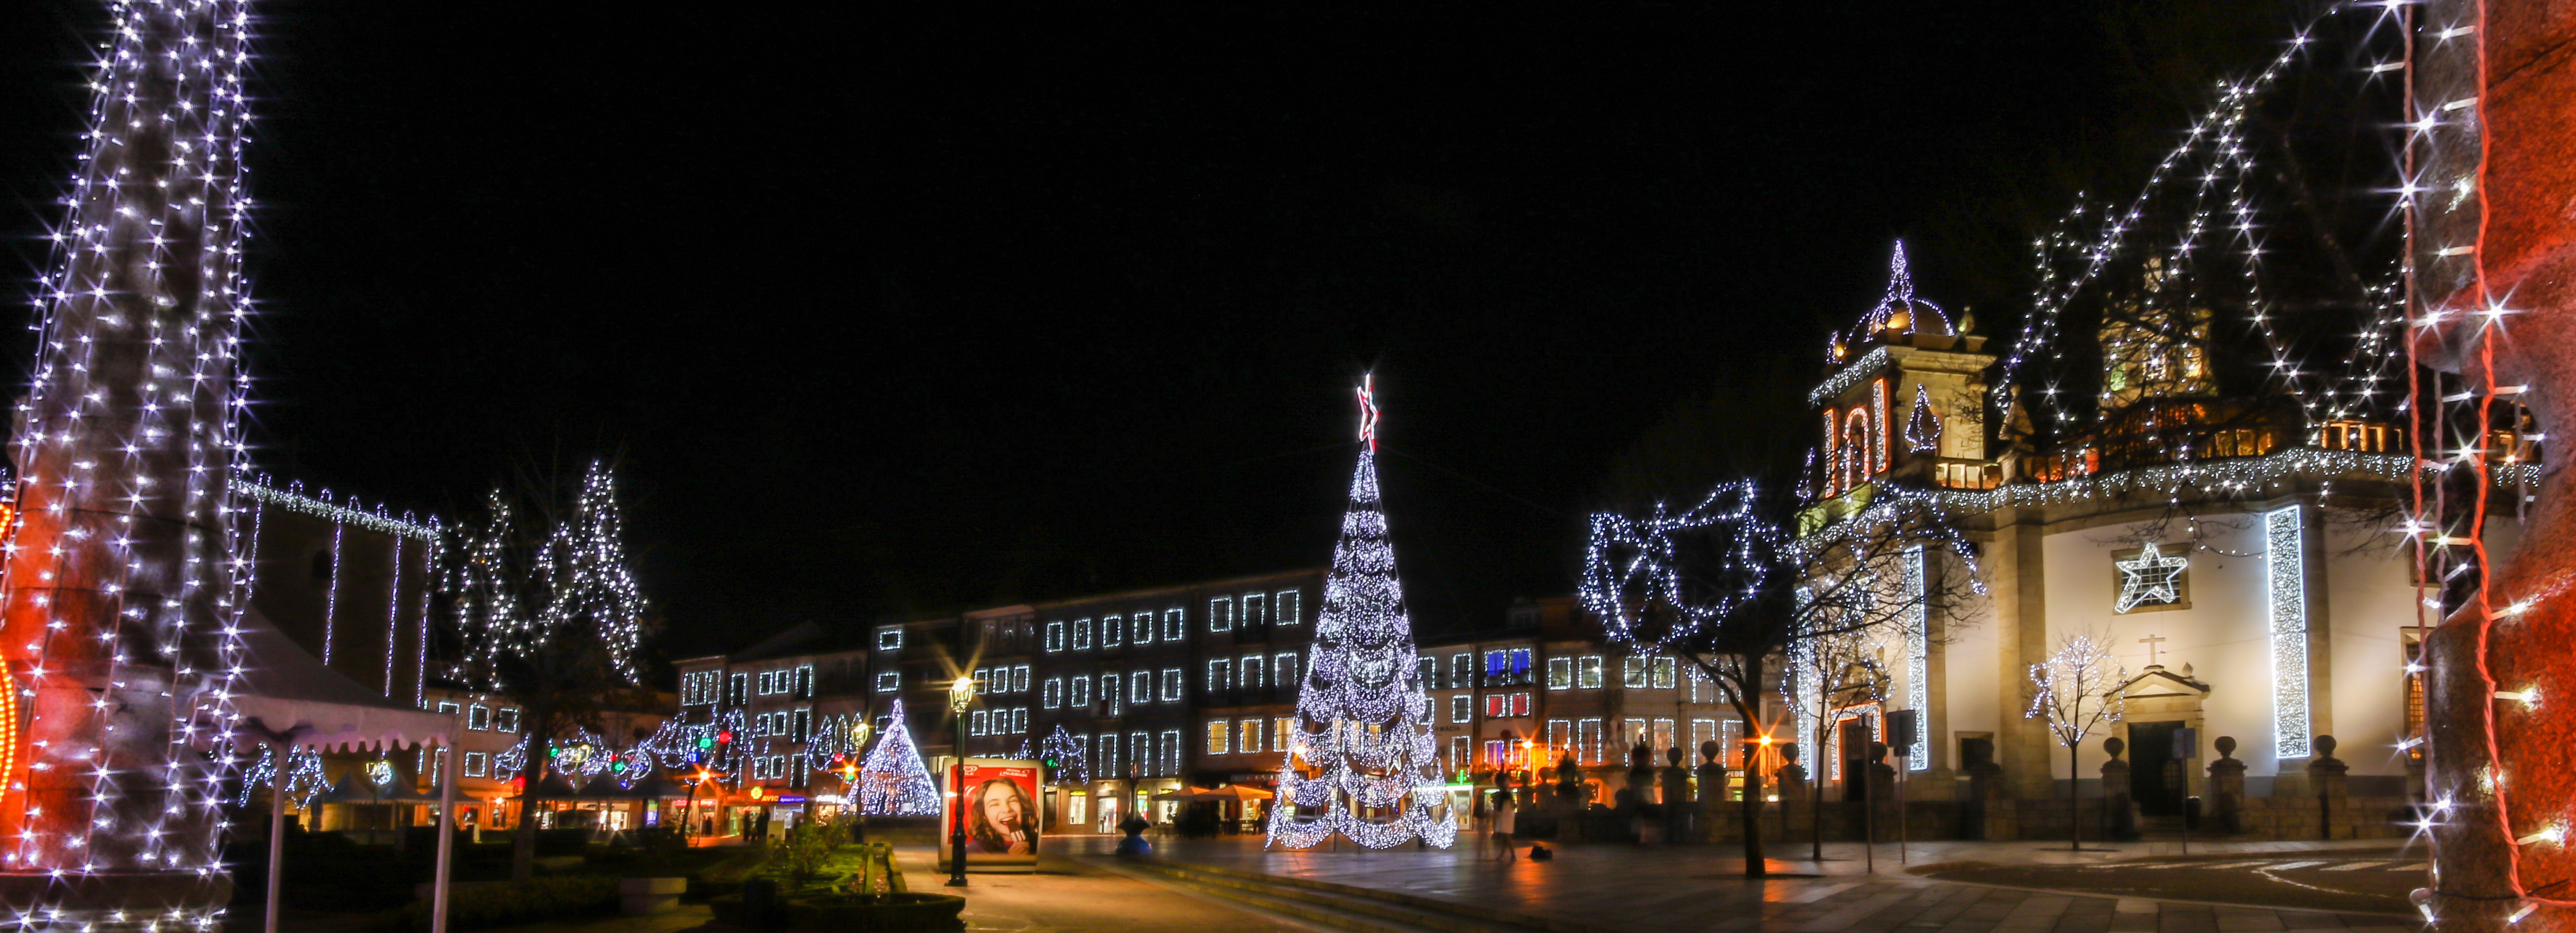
[[1504, 813]]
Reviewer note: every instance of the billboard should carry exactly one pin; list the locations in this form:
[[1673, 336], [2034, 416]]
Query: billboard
[[1002, 814]]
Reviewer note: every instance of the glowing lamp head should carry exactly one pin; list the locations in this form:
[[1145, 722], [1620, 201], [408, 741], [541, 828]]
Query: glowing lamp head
[[961, 694]]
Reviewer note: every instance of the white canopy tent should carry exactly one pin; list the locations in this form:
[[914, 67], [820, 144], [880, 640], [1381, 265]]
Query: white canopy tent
[[289, 700]]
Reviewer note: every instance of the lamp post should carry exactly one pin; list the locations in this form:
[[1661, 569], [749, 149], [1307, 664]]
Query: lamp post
[[960, 696]]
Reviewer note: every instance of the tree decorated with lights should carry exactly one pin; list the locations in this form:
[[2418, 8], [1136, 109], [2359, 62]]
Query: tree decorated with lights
[[551, 616], [124, 583], [1363, 742], [894, 782], [2077, 690]]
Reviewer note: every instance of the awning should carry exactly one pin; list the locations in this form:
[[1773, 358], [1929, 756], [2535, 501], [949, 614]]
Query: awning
[[286, 692]]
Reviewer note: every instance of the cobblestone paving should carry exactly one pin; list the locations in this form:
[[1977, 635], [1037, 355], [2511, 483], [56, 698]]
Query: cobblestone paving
[[1700, 889]]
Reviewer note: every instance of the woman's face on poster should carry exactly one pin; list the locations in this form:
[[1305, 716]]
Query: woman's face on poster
[[1002, 808]]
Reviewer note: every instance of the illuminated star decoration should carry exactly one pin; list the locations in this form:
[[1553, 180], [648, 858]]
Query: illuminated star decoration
[[2151, 579], [1368, 410]]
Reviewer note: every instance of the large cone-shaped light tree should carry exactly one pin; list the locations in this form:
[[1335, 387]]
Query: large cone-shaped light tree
[[893, 781], [1363, 743], [124, 579]]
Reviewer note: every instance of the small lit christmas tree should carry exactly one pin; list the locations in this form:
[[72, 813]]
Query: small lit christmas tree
[[1363, 744], [893, 781]]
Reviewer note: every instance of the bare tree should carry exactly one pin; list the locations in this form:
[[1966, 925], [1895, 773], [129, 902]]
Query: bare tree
[[1730, 587], [551, 618], [2078, 689]]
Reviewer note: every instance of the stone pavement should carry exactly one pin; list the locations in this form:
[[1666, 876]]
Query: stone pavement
[[1601, 888]]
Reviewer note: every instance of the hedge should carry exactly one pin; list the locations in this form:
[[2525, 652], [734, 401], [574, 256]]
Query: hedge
[[513, 903]]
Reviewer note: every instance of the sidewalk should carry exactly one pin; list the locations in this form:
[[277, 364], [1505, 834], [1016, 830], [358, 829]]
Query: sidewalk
[[1603, 888]]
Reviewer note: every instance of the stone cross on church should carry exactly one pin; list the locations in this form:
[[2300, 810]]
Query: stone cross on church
[[2151, 641]]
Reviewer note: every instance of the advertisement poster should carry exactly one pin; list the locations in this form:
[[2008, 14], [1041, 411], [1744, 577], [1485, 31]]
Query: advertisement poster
[[1002, 814]]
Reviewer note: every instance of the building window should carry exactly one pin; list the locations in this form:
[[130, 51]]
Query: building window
[[477, 764], [1140, 687], [889, 681], [1218, 671], [506, 719], [1282, 729], [1704, 731], [1113, 631], [1080, 694], [1428, 668], [1462, 708], [1082, 635], [1143, 623], [1055, 636], [1587, 672], [1108, 763], [1497, 664], [1520, 704], [1221, 614], [1284, 671], [741, 689], [1249, 740], [768, 682], [1587, 739], [1663, 735], [983, 680], [976, 722], [1110, 699], [805, 682], [1051, 694], [1171, 752], [1462, 670], [1175, 624], [1632, 672], [1140, 752], [1458, 754], [890, 639], [804, 724], [1219, 737], [1255, 610], [1172, 685], [1520, 665], [1020, 679], [1663, 671], [1560, 673], [1560, 734], [1497, 705], [1248, 674], [1284, 607], [478, 717], [698, 688]]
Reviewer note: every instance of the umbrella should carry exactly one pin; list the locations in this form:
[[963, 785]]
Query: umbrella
[[405, 790], [601, 787], [1189, 794], [353, 788], [1230, 792], [655, 787]]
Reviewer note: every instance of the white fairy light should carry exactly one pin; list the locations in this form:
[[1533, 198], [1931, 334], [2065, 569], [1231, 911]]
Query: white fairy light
[[1362, 748]]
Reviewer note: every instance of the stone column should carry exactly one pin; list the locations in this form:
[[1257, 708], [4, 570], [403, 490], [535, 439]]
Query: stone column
[[2227, 789]]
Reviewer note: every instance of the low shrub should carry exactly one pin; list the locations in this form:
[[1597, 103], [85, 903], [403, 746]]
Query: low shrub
[[512, 903]]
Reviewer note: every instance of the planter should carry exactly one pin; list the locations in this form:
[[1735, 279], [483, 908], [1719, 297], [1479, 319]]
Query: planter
[[883, 913]]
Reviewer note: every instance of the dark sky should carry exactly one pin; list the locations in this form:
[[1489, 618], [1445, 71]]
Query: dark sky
[[895, 315]]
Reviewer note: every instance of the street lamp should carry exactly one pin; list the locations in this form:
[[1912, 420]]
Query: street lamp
[[960, 696]]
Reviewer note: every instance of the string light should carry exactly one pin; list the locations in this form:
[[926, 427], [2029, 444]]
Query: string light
[[1362, 758], [893, 781]]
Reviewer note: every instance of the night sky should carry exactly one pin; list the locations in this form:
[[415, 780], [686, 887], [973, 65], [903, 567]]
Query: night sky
[[900, 316]]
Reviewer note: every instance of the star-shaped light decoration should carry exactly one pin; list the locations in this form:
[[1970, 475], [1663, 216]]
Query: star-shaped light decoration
[[2152, 579], [1368, 410]]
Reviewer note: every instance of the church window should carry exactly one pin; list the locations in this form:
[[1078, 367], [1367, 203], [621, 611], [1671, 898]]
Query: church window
[[2151, 577]]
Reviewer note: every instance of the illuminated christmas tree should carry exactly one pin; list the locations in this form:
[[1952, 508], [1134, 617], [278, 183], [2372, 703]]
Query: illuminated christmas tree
[[1363, 744], [893, 781], [124, 578]]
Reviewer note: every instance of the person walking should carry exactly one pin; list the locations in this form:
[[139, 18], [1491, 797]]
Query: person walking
[[1504, 812]]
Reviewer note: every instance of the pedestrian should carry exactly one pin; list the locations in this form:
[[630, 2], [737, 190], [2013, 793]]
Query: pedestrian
[[1504, 812]]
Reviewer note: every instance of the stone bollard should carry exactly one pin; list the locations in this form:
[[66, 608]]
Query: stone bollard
[[640, 896], [2227, 788], [1712, 791], [2326, 779], [1791, 779]]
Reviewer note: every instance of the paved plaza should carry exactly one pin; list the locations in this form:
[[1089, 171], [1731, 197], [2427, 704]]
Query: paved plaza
[[1603, 888]]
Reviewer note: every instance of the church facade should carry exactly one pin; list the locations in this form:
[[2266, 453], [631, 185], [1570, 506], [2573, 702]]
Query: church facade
[[2241, 560]]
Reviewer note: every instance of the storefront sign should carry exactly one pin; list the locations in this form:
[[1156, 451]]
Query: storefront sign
[[1001, 813]]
